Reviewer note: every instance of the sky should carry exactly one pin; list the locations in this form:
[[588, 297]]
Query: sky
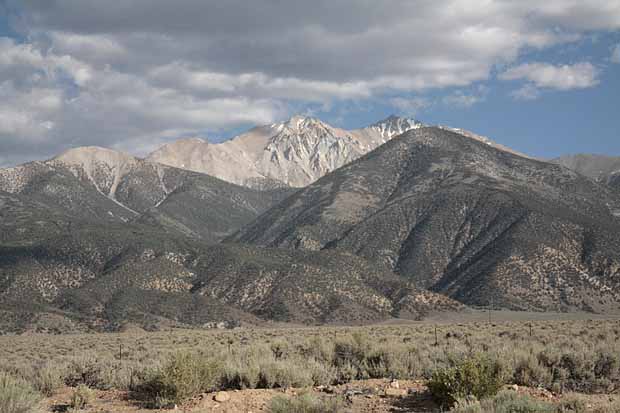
[[540, 77]]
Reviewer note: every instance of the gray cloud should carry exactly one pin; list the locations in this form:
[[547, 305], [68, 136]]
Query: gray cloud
[[133, 74]]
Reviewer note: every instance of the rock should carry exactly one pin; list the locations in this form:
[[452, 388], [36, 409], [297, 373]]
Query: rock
[[391, 392], [260, 157], [349, 394], [514, 387], [394, 384], [221, 397]]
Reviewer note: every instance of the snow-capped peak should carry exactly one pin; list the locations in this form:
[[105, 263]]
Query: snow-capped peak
[[294, 152], [395, 125], [299, 123]]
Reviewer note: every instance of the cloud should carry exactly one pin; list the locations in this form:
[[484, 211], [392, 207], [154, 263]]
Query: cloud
[[409, 106], [526, 92], [562, 77], [615, 54], [132, 74], [461, 99]]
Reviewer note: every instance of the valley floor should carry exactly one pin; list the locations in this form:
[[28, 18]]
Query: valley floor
[[359, 396], [555, 359]]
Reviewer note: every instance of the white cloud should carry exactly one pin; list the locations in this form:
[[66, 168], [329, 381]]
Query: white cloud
[[179, 76], [131, 75], [461, 99], [561, 77], [41, 113], [526, 92], [615, 54]]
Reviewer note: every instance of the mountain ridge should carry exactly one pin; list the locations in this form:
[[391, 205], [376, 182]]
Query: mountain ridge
[[430, 219], [461, 217], [294, 153], [102, 185], [601, 168]]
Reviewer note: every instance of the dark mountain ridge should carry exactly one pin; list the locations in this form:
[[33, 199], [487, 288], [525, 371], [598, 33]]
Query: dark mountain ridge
[[461, 217], [59, 273]]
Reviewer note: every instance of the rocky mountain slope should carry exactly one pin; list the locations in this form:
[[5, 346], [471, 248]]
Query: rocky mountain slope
[[398, 220], [613, 180], [58, 274], [101, 185], [461, 217], [601, 168], [292, 153]]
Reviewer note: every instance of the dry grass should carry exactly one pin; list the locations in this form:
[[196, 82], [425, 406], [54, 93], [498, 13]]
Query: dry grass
[[577, 355]]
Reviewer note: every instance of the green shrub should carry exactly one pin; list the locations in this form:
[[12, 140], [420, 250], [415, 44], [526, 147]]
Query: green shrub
[[17, 395], [477, 376], [305, 403], [240, 374], [512, 402], [529, 372], [82, 396], [184, 376], [319, 349], [285, 373], [504, 402]]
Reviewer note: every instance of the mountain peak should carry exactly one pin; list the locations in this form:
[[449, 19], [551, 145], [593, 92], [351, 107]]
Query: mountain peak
[[87, 154], [300, 122], [394, 125]]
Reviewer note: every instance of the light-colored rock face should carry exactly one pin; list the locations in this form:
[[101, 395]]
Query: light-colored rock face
[[292, 153], [103, 167], [379, 133]]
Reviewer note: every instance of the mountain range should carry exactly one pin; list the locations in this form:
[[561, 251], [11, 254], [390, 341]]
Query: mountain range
[[294, 153], [101, 185], [460, 217], [301, 222], [602, 168]]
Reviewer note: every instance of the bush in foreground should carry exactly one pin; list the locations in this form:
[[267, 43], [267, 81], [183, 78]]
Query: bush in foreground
[[478, 376], [17, 396], [305, 403], [184, 376], [82, 396], [506, 402]]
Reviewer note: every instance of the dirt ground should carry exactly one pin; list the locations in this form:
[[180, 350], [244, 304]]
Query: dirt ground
[[364, 396]]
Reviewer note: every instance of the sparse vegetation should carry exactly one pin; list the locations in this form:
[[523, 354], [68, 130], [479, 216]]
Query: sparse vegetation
[[471, 359], [82, 396], [17, 396], [305, 403], [506, 402]]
